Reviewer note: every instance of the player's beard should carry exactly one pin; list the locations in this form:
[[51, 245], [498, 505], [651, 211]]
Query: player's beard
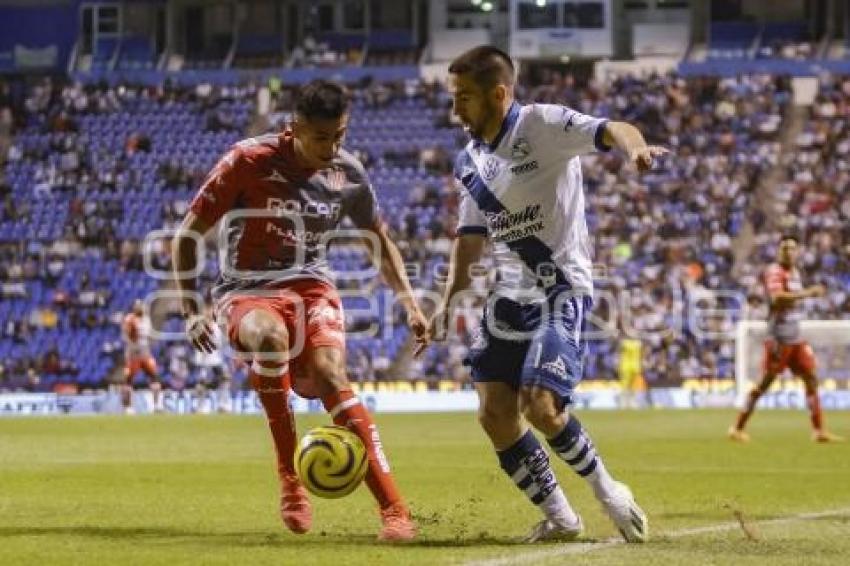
[[474, 130], [488, 111]]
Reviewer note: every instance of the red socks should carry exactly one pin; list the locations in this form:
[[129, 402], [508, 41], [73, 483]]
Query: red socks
[[813, 401], [744, 415], [346, 410], [271, 382]]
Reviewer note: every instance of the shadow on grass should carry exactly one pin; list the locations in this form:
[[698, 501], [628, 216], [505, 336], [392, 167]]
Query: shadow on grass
[[174, 535]]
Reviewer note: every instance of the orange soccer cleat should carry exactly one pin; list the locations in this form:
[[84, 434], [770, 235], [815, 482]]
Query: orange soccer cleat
[[295, 506], [737, 434], [397, 524], [826, 436]]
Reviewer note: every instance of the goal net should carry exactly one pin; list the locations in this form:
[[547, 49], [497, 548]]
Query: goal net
[[830, 340]]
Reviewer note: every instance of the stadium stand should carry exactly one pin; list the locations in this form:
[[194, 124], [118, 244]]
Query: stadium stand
[[732, 40], [818, 206], [259, 51], [92, 169], [104, 53], [136, 53]]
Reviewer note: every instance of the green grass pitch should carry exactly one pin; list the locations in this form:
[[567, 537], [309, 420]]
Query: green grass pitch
[[202, 490]]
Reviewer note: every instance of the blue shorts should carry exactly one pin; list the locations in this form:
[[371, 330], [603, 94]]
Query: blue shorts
[[538, 344]]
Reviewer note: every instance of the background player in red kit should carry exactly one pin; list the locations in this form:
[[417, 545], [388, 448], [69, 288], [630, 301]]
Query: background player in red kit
[[135, 331], [281, 309], [785, 347]]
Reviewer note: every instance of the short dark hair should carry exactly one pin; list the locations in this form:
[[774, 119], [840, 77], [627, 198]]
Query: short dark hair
[[488, 66], [789, 236], [322, 100]]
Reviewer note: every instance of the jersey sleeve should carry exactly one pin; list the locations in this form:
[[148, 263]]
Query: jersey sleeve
[[470, 219], [361, 204], [364, 211], [220, 190], [774, 280], [572, 132]]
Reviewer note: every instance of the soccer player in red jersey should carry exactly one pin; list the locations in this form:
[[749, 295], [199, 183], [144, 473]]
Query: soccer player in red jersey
[[276, 297], [135, 331], [785, 347]]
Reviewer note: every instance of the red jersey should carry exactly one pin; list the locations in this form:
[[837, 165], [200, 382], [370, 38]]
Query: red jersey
[[279, 213], [135, 331], [783, 322]]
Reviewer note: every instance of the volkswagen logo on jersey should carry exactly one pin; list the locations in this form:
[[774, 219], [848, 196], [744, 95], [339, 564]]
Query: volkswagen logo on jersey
[[491, 168]]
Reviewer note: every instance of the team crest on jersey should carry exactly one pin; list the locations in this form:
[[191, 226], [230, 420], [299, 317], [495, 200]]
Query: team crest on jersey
[[324, 314], [520, 149], [490, 168], [336, 179]]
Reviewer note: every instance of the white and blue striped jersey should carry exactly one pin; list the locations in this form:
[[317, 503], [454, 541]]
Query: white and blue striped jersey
[[525, 192]]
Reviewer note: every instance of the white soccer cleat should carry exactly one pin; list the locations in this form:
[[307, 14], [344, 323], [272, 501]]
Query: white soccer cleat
[[628, 517], [737, 435], [552, 530]]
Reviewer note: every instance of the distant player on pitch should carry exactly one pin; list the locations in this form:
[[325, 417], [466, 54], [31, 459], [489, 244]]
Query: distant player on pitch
[[214, 377], [135, 332], [785, 347], [630, 372], [522, 190]]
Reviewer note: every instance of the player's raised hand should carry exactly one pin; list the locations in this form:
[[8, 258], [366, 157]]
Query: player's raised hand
[[644, 157], [201, 334]]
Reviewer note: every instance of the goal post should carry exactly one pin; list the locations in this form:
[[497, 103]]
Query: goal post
[[830, 340]]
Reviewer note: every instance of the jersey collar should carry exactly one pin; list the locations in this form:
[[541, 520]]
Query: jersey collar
[[508, 123]]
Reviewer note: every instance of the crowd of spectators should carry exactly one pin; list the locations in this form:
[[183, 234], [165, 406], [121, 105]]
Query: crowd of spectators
[[662, 242], [791, 49], [817, 203], [313, 53]]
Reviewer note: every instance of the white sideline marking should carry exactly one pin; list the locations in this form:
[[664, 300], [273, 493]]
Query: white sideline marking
[[585, 547]]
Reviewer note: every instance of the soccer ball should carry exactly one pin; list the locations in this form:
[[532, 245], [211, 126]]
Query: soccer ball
[[331, 461]]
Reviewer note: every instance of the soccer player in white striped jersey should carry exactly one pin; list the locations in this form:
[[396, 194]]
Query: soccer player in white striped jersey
[[522, 189]]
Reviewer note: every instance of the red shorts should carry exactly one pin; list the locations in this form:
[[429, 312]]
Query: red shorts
[[799, 358], [136, 363], [310, 310]]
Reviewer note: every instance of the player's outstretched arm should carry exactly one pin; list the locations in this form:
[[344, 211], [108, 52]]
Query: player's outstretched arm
[[391, 265], [784, 299], [184, 259], [466, 251], [630, 141]]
